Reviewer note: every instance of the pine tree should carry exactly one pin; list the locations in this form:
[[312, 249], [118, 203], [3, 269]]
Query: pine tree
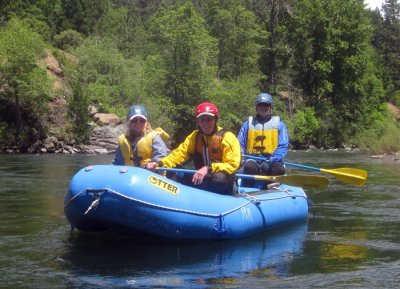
[[390, 42]]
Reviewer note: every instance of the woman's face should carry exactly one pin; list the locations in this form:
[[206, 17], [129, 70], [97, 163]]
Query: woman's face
[[206, 123], [137, 125]]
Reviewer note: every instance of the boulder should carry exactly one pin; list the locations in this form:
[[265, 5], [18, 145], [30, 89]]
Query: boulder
[[50, 144], [107, 118], [107, 136]]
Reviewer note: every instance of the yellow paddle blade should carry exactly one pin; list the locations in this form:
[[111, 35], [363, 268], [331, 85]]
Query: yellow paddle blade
[[300, 180], [351, 176]]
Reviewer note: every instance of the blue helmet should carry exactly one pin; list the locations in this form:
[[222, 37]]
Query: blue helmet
[[137, 111], [265, 98]]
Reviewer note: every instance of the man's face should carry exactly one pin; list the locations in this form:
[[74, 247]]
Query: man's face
[[263, 109], [206, 123]]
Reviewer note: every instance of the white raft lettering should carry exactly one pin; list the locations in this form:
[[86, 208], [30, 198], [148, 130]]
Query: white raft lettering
[[246, 213]]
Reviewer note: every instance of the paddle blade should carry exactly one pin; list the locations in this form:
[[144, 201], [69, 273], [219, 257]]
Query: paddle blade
[[350, 176], [305, 181]]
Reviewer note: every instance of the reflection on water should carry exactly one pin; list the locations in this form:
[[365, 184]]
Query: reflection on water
[[182, 262], [354, 235]]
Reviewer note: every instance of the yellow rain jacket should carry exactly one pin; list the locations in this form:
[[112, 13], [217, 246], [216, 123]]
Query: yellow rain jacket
[[229, 152]]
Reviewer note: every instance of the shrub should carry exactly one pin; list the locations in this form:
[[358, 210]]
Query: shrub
[[303, 127], [68, 39], [382, 136]]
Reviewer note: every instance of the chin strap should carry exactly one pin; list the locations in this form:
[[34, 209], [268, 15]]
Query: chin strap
[[264, 119]]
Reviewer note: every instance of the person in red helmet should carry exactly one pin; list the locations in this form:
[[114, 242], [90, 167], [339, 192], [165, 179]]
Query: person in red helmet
[[214, 151]]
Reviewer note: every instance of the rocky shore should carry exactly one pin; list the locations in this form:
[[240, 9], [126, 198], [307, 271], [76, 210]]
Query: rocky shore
[[104, 140]]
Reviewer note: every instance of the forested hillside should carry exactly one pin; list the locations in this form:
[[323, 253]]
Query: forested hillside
[[331, 65]]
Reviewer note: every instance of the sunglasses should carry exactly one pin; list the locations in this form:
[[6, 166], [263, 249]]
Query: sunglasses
[[138, 119], [206, 118]]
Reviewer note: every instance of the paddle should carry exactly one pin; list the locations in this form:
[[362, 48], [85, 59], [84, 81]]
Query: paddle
[[347, 175], [309, 181]]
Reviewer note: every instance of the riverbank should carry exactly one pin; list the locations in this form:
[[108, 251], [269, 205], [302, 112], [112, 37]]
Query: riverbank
[[103, 140]]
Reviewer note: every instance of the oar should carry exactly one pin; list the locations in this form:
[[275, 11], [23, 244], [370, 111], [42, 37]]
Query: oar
[[347, 175], [309, 181], [306, 181]]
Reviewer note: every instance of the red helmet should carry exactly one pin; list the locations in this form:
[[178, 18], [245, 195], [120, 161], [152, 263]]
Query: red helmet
[[206, 108]]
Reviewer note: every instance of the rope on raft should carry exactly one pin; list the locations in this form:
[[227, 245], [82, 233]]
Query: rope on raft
[[251, 200]]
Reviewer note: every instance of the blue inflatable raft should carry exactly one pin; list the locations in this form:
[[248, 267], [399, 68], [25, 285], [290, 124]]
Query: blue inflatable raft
[[142, 203]]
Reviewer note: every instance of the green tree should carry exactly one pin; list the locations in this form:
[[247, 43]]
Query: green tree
[[185, 62], [82, 15], [104, 70], [334, 66], [235, 99], [78, 113], [24, 87], [238, 37], [389, 43], [303, 127], [272, 16], [134, 31], [68, 39], [31, 12]]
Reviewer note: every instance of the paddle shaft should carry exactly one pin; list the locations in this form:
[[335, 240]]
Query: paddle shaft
[[346, 175], [286, 163], [244, 176], [310, 181]]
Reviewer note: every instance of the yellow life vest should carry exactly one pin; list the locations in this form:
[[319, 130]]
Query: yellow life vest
[[262, 138], [144, 147]]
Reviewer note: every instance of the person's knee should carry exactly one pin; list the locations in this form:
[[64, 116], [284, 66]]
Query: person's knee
[[222, 183], [265, 168], [219, 178], [250, 167], [277, 169]]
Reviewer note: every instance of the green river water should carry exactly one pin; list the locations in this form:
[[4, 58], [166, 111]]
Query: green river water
[[351, 239]]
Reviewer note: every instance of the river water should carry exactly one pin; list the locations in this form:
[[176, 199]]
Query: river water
[[351, 239]]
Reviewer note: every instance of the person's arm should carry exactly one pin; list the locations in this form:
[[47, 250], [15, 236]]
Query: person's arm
[[231, 155], [181, 153], [242, 136], [118, 158], [160, 150], [283, 144]]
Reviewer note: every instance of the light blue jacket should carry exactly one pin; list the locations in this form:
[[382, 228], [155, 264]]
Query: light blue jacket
[[283, 141]]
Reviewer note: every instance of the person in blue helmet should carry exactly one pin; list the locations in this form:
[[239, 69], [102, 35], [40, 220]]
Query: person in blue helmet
[[140, 144], [264, 136]]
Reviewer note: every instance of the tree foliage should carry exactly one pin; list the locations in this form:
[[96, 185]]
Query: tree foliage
[[388, 43], [334, 66], [238, 37], [330, 64], [24, 87], [68, 39], [104, 70], [304, 127], [78, 113], [273, 17], [186, 60]]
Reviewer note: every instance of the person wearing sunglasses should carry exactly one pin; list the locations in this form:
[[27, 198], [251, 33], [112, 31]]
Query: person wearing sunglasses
[[214, 151], [140, 144]]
